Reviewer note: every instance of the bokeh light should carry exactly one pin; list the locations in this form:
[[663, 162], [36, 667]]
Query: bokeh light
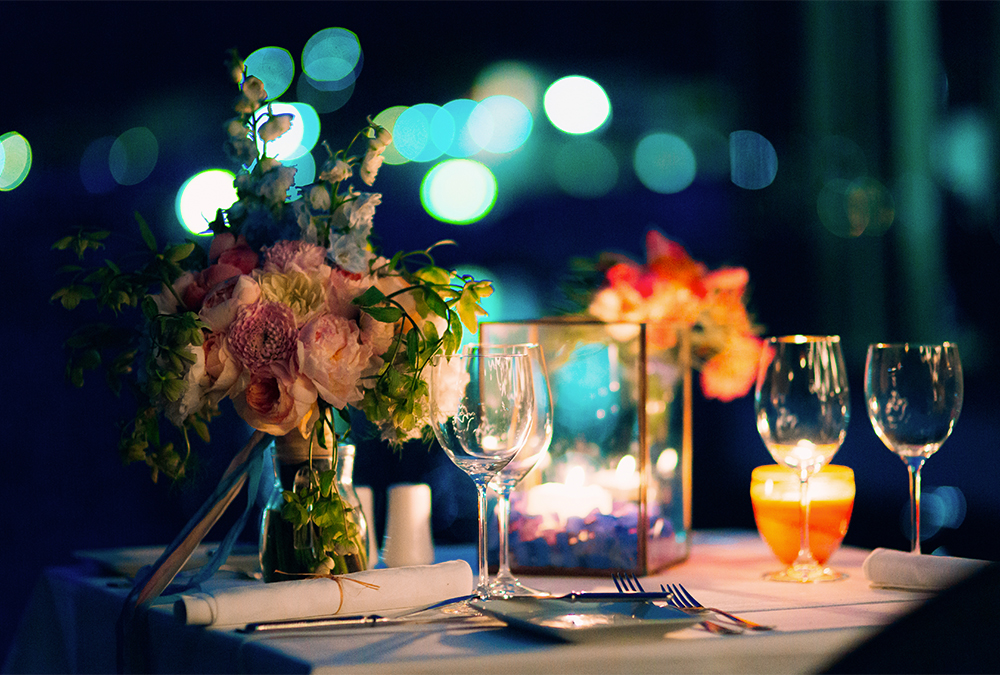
[[301, 137], [387, 118], [321, 99], [133, 156], [463, 142], [963, 155], [458, 191], [201, 196], [15, 160], [852, 208], [508, 121], [274, 67], [423, 132], [305, 173], [95, 172], [508, 78], [942, 507], [664, 163], [577, 104], [753, 163], [333, 56], [585, 168]]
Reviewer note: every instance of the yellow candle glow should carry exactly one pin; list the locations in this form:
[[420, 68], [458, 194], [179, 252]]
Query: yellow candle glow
[[774, 493]]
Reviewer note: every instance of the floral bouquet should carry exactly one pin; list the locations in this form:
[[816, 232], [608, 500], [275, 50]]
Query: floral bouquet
[[290, 314], [677, 296]]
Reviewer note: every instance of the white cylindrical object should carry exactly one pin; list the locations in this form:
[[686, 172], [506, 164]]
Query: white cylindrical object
[[408, 539], [367, 499]]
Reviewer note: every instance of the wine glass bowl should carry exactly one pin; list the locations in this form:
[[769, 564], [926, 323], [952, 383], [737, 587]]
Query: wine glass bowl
[[482, 408], [505, 584], [802, 404], [913, 394]]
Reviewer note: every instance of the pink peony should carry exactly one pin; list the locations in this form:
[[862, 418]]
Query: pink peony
[[229, 250], [731, 373], [332, 354], [263, 334], [276, 400], [224, 301], [288, 256], [342, 288]]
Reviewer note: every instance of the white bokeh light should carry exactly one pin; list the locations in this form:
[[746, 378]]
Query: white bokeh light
[[577, 104]]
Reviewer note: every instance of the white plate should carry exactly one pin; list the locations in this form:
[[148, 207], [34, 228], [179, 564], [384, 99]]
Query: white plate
[[585, 621], [128, 561]]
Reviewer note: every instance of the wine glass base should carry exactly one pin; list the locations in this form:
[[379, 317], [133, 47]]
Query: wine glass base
[[805, 574], [511, 588]]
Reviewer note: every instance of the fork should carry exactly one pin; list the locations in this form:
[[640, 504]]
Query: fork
[[680, 598], [627, 583]]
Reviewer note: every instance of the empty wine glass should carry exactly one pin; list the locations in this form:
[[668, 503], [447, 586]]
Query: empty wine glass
[[505, 584], [482, 406], [803, 408], [914, 395]]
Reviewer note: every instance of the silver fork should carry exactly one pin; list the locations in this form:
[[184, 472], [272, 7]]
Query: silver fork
[[627, 583], [680, 598]]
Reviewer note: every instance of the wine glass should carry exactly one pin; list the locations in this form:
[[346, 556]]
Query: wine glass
[[914, 395], [505, 584], [803, 407], [482, 405]]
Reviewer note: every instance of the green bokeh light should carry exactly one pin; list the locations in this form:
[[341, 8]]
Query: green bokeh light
[[458, 191]]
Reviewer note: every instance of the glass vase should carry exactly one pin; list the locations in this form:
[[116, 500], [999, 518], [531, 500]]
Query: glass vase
[[313, 524]]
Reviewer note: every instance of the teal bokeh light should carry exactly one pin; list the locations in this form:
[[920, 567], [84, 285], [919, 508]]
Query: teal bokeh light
[[201, 196], [301, 137], [133, 156], [753, 163], [577, 104], [332, 55], [664, 163], [274, 67], [458, 191], [423, 132], [585, 168], [463, 142], [507, 120]]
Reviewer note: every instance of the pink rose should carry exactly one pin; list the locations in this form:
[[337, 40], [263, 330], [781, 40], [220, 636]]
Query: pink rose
[[731, 373], [221, 369], [332, 354], [229, 250], [342, 288], [276, 401], [224, 301]]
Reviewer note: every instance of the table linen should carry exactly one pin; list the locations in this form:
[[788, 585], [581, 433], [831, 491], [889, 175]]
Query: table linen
[[69, 627]]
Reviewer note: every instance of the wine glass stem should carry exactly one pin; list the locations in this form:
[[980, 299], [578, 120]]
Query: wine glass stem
[[805, 556], [913, 466], [483, 588], [503, 519]]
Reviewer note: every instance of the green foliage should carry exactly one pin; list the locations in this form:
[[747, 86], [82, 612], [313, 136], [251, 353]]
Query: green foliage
[[157, 345]]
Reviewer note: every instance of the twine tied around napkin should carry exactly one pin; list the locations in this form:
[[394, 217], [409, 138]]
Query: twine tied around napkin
[[887, 568], [381, 590]]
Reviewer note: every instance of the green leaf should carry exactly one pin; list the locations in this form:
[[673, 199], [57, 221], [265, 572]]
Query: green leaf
[[434, 275], [373, 296], [326, 480], [435, 303], [385, 314], [179, 252], [64, 243], [147, 233]]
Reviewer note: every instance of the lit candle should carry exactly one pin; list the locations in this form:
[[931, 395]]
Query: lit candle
[[558, 502]]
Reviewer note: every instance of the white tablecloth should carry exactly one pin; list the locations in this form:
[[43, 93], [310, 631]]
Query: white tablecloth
[[70, 622]]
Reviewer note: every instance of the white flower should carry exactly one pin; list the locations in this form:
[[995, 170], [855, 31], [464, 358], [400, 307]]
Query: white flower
[[273, 186], [350, 255], [195, 383], [370, 166], [447, 379], [319, 198], [335, 171], [275, 126]]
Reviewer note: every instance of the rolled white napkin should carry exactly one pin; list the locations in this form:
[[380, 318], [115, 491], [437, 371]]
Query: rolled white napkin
[[886, 568], [381, 590]]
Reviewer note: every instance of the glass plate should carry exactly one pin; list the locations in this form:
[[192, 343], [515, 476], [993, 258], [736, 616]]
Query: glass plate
[[585, 621]]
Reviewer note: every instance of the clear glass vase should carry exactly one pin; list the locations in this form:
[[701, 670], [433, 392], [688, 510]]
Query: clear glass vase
[[313, 524]]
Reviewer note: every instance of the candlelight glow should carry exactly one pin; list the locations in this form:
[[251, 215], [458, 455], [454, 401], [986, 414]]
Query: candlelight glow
[[626, 467]]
